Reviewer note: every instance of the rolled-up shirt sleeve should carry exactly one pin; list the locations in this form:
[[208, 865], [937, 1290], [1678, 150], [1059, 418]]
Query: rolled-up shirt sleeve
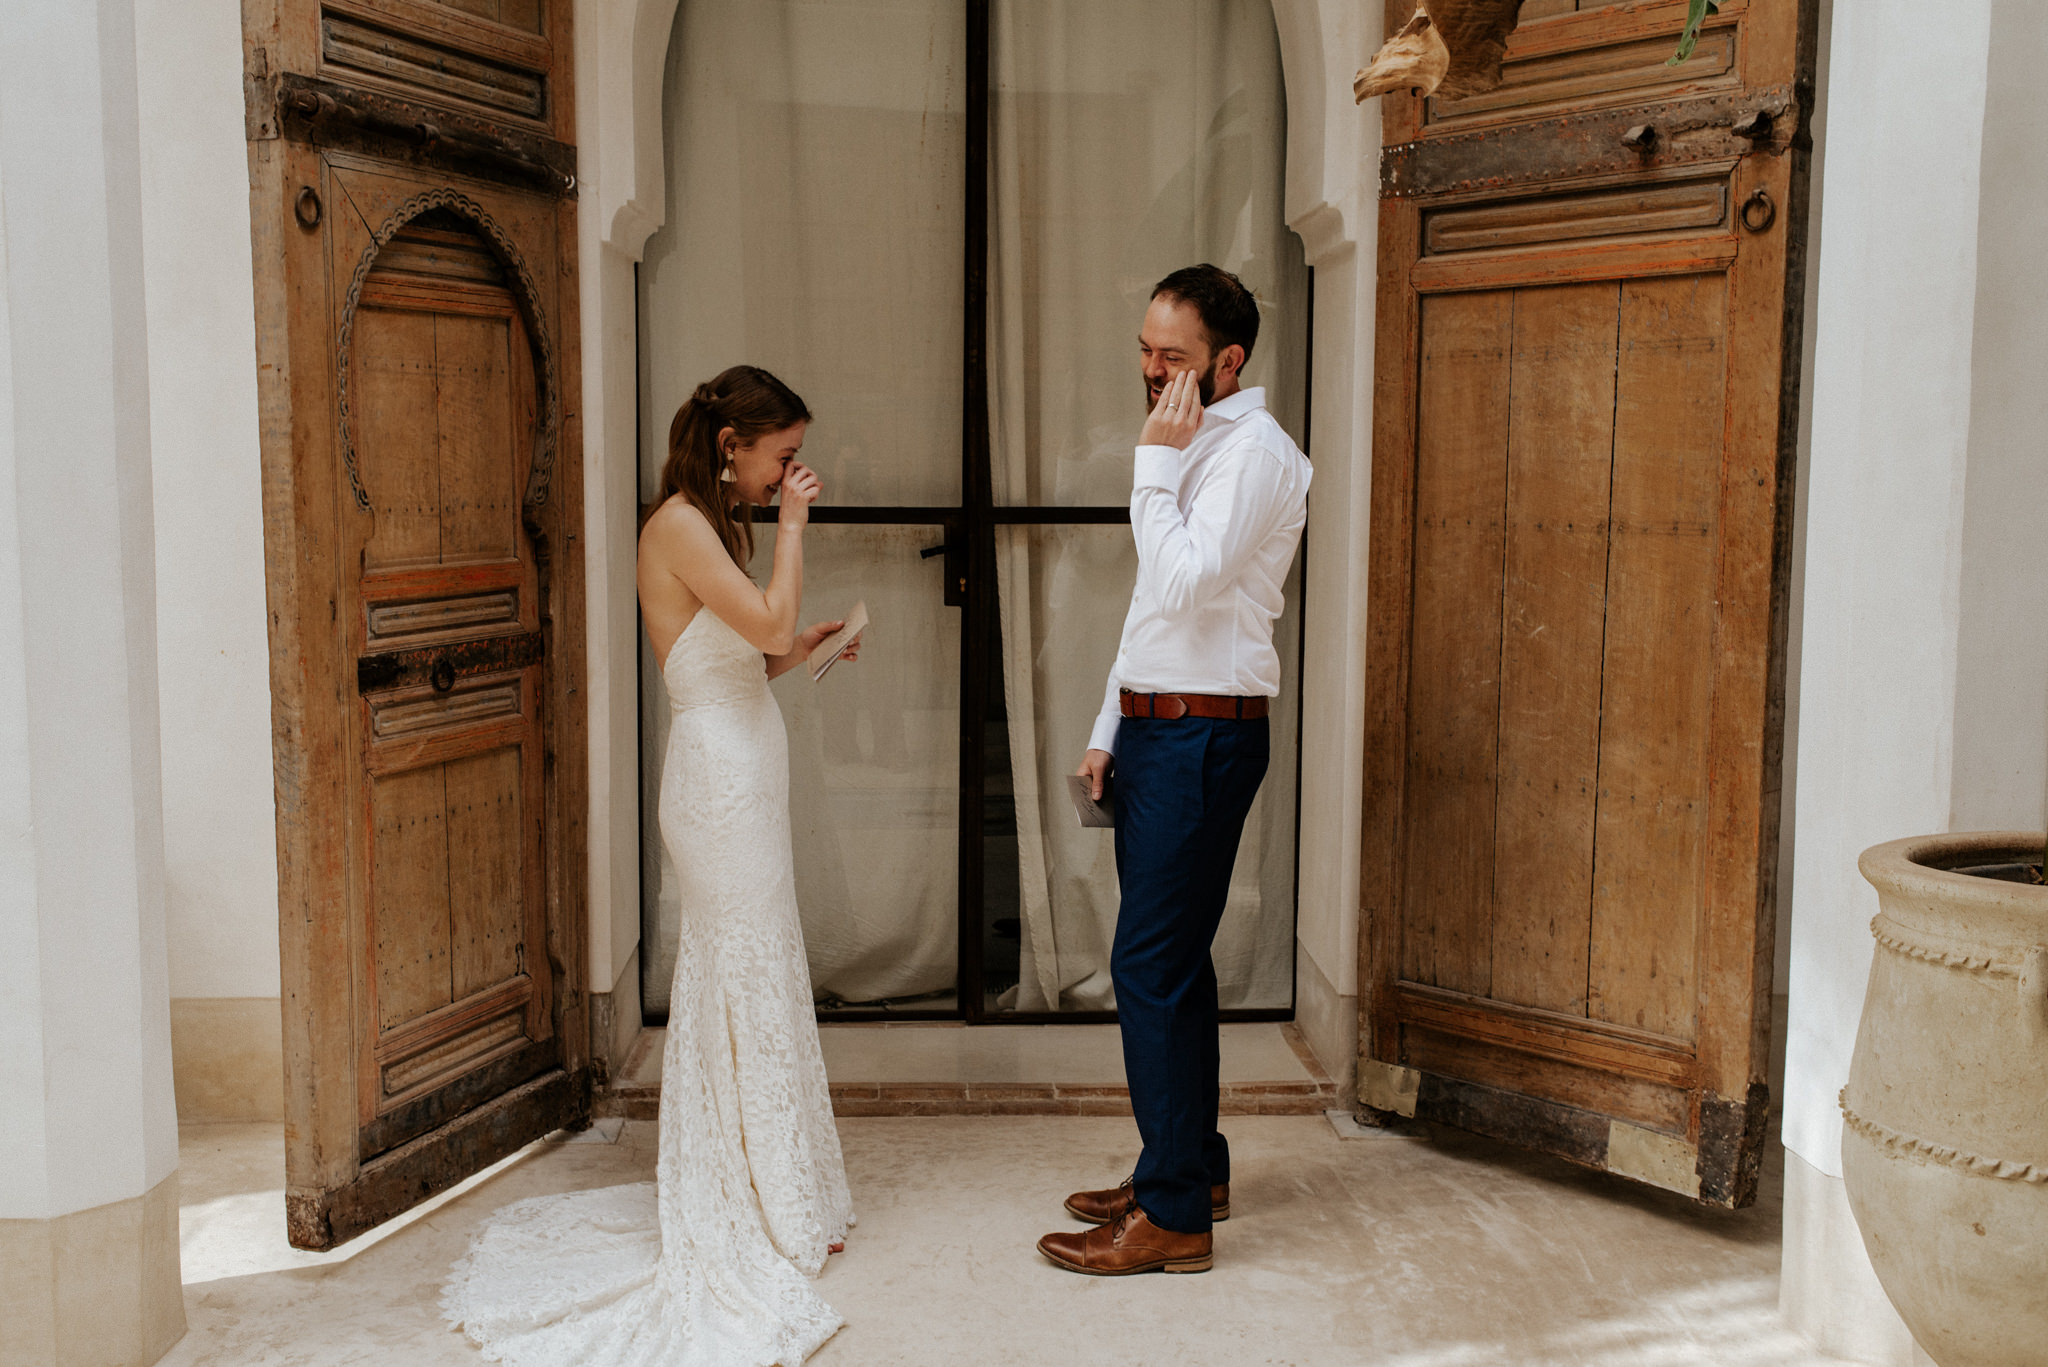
[[1193, 558]]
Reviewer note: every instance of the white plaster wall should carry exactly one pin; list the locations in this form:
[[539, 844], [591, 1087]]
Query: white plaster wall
[[620, 54], [1891, 425], [220, 846], [2000, 757], [1809, 285], [1923, 670], [24, 1187], [1332, 202], [77, 613]]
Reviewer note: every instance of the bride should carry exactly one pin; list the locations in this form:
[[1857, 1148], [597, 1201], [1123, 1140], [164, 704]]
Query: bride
[[711, 1264]]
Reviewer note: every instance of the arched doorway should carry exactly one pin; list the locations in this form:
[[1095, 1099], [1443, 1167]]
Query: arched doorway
[[945, 247]]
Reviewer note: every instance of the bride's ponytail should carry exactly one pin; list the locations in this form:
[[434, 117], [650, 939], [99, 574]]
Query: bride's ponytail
[[742, 404]]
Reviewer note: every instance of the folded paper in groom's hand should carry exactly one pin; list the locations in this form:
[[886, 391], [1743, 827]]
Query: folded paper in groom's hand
[[1091, 812], [832, 647]]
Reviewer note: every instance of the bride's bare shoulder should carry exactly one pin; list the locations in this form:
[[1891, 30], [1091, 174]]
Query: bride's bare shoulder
[[677, 528]]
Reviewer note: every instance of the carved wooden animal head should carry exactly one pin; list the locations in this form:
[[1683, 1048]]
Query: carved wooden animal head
[[1451, 48]]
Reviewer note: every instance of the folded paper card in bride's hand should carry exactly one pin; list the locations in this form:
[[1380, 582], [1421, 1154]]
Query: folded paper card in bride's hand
[[827, 652]]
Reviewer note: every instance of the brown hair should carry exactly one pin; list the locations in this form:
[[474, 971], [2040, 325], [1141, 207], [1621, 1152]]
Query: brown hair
[[1229, 313], [752, 403]]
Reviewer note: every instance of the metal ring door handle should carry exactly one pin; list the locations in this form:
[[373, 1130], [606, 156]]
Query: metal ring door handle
[[1759, 211]]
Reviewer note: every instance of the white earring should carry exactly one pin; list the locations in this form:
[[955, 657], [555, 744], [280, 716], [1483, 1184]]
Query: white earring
[[726, 476]]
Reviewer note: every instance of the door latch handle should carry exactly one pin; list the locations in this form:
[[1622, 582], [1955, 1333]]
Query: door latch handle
[[1642, 137], [956, 574], [1755, 126]]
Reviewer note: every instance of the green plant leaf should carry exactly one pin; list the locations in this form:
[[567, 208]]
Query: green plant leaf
[[1691, 36]]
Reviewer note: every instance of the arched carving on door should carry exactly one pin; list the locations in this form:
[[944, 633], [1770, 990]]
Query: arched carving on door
[[540, 469]]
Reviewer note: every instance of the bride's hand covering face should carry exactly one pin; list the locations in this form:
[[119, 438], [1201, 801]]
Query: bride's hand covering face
[[762, 468], [800, 489]]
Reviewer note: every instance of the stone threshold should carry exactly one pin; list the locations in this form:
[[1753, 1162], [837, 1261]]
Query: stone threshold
[[635, 1097]]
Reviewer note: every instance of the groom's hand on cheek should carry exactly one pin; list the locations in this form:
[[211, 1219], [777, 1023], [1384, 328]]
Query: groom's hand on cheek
[[1177, 416]]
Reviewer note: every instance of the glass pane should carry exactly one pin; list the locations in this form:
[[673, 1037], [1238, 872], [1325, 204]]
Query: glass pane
[[1050, 891], [874, 761], [1127, 140], [874, 781], [815, 224]]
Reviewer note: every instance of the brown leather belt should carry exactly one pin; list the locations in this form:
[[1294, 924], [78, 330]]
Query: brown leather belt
[[1174, 706]]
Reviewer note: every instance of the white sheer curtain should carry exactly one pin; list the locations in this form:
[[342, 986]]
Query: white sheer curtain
[[1128, 139], [816, 153]]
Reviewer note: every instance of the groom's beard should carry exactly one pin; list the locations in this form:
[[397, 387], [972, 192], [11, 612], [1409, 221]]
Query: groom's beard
[[1205, 388]]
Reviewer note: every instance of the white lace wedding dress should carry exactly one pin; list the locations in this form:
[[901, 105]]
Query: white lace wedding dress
[[711, 1264]]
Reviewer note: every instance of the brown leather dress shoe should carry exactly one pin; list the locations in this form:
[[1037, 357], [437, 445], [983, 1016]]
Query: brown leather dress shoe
[[1100, 1207], [1129, 1243]]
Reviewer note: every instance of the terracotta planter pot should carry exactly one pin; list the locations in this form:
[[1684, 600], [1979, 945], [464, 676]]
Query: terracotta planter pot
[[1945, 1146]]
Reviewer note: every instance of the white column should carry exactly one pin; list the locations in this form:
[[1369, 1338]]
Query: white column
[[1332, 202], [1923, 690], [213, 651], [88, 1138], [621, 56]]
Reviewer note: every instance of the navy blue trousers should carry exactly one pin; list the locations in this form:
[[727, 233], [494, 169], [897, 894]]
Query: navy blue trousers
[[1183, 789]]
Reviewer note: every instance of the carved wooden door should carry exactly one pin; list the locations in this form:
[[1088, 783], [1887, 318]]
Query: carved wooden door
[[414, 247], [1582, 462]]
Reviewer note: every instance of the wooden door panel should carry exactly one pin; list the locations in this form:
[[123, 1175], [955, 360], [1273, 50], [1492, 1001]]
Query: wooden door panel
[[1566, 58], [1463, 424], [479, 488], [488, 858], [491, 59], [1562, 416], [396, 402], [1648, 896], [1639, 212], [444, 373], [1577, 580], [451, 855], [416, 307], [1628, 69], [520, 14], [409, 897]]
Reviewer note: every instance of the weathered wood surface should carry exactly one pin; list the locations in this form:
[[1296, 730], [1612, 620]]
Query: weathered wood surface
[[421, 447], [1655, 723], [1555, 594], [399, 1180], [1584, 391], [1454, 662]]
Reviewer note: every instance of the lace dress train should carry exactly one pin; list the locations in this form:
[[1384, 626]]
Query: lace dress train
[[711, 1264]]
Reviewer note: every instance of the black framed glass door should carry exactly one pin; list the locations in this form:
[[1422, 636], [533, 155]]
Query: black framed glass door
[[1009, 176]]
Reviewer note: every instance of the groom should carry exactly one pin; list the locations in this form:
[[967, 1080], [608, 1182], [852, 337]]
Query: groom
[[1218, 501]]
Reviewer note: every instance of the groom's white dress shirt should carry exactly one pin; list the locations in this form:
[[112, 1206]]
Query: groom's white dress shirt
[[1216, 527]]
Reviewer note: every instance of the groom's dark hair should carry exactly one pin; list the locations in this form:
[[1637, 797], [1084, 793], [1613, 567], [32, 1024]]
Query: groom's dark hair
[[1228, 312]]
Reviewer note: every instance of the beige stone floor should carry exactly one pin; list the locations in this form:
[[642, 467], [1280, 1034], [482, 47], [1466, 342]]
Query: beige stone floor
[[1445, 1251]]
